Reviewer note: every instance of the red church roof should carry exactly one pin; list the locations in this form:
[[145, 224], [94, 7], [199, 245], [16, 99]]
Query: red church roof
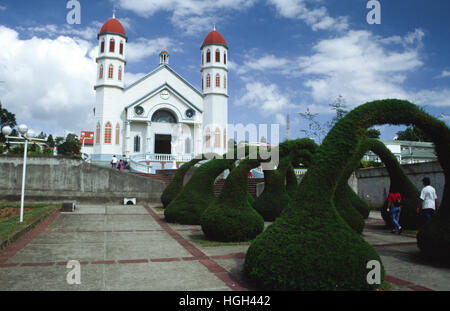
[[214, 37], [113, 26]]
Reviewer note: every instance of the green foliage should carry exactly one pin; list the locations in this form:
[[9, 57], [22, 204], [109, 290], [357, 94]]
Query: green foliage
[[369, 164], [343, 199], [231, 217], [310, 246], [51, 141], [47, 152], [197, 194], [433, 238], [176, 185], [373, 133], [413, 133], [70, 148], [274, 197], [291, 181], [2, 149], [6, 119]]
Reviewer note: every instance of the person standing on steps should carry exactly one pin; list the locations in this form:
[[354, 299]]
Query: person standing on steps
[[114, 162], [428, 197]]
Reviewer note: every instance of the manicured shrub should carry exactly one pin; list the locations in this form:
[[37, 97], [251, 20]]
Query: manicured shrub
[[231, 217], [291, 181], [197, 194], [176, 185], [310, 247], [343, 202], [274, 197]]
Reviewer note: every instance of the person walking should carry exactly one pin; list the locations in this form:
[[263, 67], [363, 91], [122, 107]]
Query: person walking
[[121, 165], [395, 208], [428, 197], [114, 162]]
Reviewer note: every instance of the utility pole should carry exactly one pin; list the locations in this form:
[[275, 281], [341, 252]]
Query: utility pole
[[288, 127]]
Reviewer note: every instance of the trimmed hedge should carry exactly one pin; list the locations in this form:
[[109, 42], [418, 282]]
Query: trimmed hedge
[[291, 181], [343, 199], [176, 185], [310, 247], [231, 218], [197, 194], [274, 197]]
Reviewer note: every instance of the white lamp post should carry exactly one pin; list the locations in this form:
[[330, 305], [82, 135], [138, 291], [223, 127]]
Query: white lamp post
[[27, 136]]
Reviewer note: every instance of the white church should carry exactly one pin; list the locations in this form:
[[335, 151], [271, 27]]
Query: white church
[[160, 118]]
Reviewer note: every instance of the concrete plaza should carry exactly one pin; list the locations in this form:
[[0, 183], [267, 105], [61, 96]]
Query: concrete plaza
[[133, 248]]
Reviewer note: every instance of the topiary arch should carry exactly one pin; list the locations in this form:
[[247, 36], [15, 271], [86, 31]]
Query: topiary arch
[[197, 193], [176, 185], [310, 247], [231, 217], [275, 196]]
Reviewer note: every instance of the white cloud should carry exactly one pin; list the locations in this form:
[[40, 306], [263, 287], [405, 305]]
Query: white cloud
[[266, 62], [3, 7], [267, 99], [51, 30], [48, 81], [445, 74], [190, 15], [317, 18], [358, 66], [141, 48]]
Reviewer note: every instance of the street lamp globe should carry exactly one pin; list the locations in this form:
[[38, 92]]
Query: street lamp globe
[[30, 134], [23, 129], [7, 131]]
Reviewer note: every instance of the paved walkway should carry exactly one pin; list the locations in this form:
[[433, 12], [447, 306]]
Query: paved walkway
[[131, 248]]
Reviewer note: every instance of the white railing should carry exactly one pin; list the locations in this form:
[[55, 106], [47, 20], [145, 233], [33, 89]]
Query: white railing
[[300, 171], [138, 163]]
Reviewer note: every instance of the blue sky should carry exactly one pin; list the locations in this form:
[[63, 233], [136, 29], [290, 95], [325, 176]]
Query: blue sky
[[286, 56]]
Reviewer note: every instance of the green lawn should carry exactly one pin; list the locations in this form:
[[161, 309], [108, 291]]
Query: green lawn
[[10, 227]]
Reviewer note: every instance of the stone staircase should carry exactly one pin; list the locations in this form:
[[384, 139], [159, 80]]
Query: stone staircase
[[252, 182]]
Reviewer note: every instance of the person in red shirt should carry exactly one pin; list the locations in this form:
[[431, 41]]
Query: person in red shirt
[[394, 208]]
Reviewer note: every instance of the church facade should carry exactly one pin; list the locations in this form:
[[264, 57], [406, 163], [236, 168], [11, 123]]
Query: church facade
[[161, 115]]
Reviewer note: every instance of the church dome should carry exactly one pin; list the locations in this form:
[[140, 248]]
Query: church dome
[[214, 37], [113, 26]]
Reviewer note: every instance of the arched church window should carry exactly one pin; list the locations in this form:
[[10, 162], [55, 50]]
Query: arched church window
[[120, 73], [188, 145], [203, 59], [217, 80], [217, 56], [164, 116], [111, 72], [121, 48], [112, 47], [202, 83], [225, 58], [100, 76], [208, 138], [108, 133], [217, 138], [102, 47], [117, 134], [208, 81], [137, 143], [224, 81], [208, 56], [97, 138]]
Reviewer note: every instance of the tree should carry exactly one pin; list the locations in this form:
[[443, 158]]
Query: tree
[[373, 133], [59, 140], [6, 119], [340, 107], [50, 141], [42, 135], [315, 129], [413, 133]]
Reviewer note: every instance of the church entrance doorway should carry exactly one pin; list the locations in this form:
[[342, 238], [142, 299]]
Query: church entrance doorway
[[163, 144]]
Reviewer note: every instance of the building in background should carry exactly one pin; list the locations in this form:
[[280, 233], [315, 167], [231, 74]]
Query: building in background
[[406, 152], [161, 118]]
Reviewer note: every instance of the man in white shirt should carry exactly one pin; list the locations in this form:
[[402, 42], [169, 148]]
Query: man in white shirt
[[114, 162], [429, 200]]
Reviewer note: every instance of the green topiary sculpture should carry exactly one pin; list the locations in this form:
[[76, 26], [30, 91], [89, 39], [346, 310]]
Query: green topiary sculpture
[[176, 185], [231, 217], [197, 193], [310, 247]]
